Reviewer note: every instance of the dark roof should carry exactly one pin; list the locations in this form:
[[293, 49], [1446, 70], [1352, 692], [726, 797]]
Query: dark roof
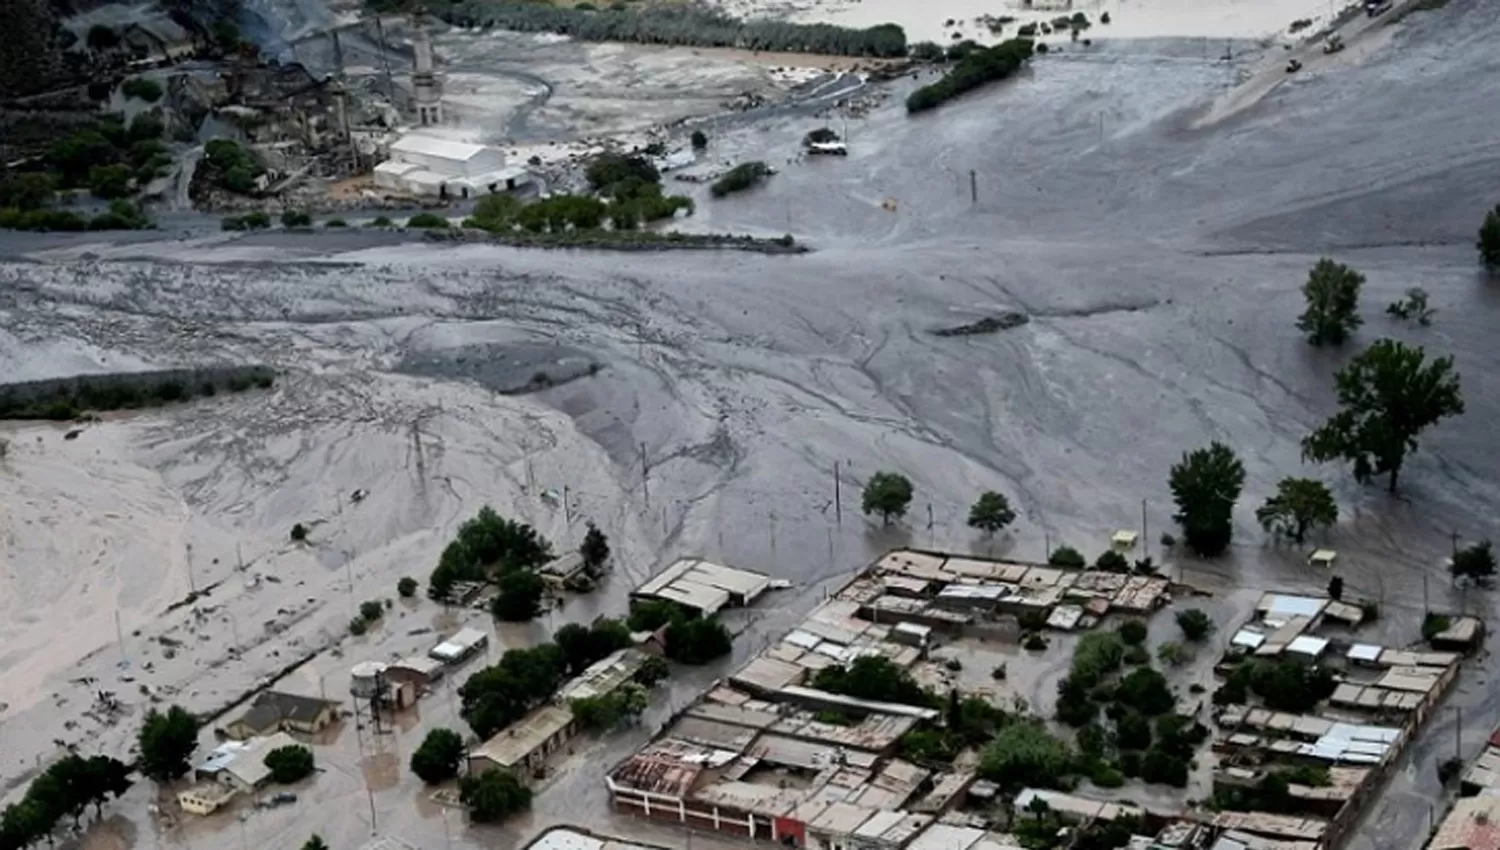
[[270, 708]]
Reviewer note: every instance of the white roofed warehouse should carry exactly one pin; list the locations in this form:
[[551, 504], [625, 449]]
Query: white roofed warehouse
[[428, 166], [703, 586]]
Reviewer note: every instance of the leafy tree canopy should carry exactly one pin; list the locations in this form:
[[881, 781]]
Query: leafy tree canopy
[[1205, 485], [166, 743], [887, 494], [1332, 294], [1299, 504], [493, 795], [991, 512], [439, 756], [1387, 396]]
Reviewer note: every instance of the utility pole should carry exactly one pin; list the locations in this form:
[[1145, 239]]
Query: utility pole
[[931, 537], [1426, 606], [567, 509], [645, 476], [1458, 732], [838, 502], [385, 57], [973, 186], [1145, 538], [120, 635], [1046, 546]]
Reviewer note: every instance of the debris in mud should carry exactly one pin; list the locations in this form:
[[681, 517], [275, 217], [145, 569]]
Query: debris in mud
[[988, 325]]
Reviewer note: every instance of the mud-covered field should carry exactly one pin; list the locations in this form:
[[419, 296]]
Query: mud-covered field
[[1158, 264]]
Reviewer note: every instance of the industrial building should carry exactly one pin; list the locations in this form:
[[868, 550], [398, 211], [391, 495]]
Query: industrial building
[[704, 587], [603, 677], [525, 745], [424, 165]]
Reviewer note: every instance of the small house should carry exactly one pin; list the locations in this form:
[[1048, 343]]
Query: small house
[[205, 798], [460, 647], [274, 711]]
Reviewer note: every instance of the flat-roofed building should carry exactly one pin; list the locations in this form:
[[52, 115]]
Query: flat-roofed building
[[525, 745], [703, 586]]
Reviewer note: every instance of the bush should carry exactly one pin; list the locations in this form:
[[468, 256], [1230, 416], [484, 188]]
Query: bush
[[520, 596], [697, 641], [1173, 654], [1067, 556], [1112, 562], [358, 626], [427, 220], [141, 88], [1026, 755], [406, 588], [1434, 624], [439, 757], [335, 222], [290, 764], [109, 181], [1145, 690], [1107, 776], [1133, 632], [493, 795], [295, 218], [610, 170], [1137, 655], [371, 610], [974, 70], [381, 221], [1196, 625], [257, 220], [1489, 241], [927, 51], [739, 178], [1161, 768], [1133, 731], [1034, 642]]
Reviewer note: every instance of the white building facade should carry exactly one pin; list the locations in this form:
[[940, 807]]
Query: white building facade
[[428, 166]]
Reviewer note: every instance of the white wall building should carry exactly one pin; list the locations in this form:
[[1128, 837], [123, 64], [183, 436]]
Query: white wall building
[[427, 166]]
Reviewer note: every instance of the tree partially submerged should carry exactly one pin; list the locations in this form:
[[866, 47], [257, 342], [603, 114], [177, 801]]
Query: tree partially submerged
[[976, 68], [594, 550], [1332, 294], [1388, 395], [1475, 562], [439, 756], [887, 494], [991, 512], [166, 743], [493, 795], [1205, 485], [1298, 505], [1489, 241]]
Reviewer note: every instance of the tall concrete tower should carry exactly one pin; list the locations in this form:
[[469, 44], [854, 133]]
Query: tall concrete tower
[[426, 88]]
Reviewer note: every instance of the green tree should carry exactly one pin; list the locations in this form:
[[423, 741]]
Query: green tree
[[1299, 504], [1476, 562], [1026, 755], [110, 181], [166, 743], [295, 218], [1132, 632], [1332, 294], [1195, 624], [1067, 556], [493, 795], [991, 512], [499, 695], [583, 645], [29, 190], [594, 550], [1489, 241], [289, 764], [439, 756], [700, 141], [1205, 485], [876, 678], [1387, 396], [887, 494], [653, 669], [315, 842], [697, 641], [652, 614], [406, 587], [371, 610], [1145, 690], [520, 596]]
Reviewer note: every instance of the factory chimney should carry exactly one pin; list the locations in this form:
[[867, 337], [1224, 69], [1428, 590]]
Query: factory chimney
[[426, 89]]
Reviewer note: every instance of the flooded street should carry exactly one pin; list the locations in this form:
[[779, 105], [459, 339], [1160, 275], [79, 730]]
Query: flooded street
[[1159, 266]]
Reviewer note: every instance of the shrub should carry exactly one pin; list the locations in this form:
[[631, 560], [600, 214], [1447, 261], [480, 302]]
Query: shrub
[[1173, 654], [257, 220], [427, 220], [1113, 562], [299, 533], [1195, 625], [406, 588], [1067, 556], [371, 610], [358, 626], [335, 222], [697, 641], [1025, 754], [1034, 642], [290, 763], [1133, 632], [381, 221], [295, 218], [109, 181], [1107, 776], [739, 178], [1434, 624], [1161, 768], [1146, 691], [1136, 655], [1489, 241], [1133, 731], [141, 88]]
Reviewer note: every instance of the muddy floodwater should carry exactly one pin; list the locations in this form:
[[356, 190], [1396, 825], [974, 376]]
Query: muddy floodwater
[[700, 403]]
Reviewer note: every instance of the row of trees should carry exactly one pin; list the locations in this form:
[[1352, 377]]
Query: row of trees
[[977, 67], [744, 176], [501, 694], [686, 26], [64, 790], [1388, 395], [486, 548], [691, 639]]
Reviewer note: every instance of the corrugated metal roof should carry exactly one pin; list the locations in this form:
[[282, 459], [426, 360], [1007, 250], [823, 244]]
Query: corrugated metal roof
[[1248, 639], [513, 744], [1285, 606], [416, 143], [1308, 645], [942, 836], [1365, 652]]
